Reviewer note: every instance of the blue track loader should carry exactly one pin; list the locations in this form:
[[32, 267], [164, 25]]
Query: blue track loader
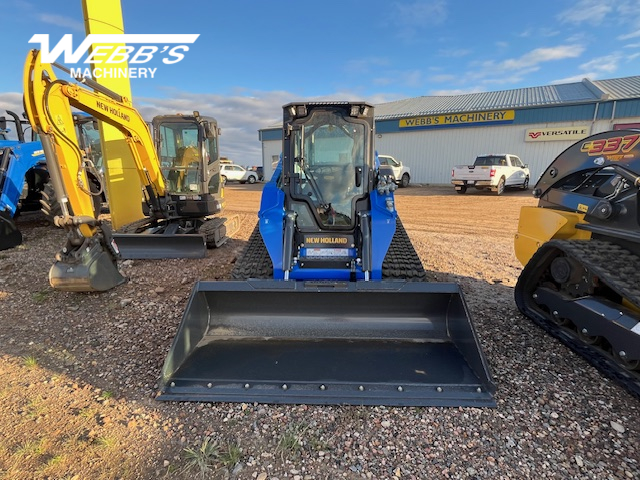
[[330, 303]]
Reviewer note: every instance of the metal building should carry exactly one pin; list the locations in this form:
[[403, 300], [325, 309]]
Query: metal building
[[432, 134]]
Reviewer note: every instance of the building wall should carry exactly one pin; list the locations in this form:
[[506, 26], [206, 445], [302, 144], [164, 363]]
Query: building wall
[[270, 152], [432, 153]]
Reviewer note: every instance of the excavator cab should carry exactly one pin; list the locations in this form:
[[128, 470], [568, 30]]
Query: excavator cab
[[329, 305], [187, 147], [179, 223]]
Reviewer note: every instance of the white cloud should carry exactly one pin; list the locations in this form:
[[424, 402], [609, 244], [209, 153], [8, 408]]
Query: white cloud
[[410, 18], [575, 78], [454, 52], [629, 36], [61, 21], [594, 69], [587, 11], [457, 91], [540, 55], [239, 116], [365, 65], [11, 101]]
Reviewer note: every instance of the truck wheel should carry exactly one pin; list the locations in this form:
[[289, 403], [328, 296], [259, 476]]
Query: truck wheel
[[223, 179], [404, 182], [251, 179], [525, 185], [500, 188], [462, 189]]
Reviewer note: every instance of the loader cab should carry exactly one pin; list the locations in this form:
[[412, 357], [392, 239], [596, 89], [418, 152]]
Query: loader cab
[[187, 147], [327, 163]]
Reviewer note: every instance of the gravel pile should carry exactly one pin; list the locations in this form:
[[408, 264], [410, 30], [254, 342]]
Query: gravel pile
[[556, 416]]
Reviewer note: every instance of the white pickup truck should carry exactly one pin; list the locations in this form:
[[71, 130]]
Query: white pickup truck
[[401, 173], [492, 172]]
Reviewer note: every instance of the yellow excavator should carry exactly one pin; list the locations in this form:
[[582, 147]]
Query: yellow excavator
[[181, 210]]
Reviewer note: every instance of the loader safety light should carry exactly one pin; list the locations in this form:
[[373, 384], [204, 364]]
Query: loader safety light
[[298, 110]]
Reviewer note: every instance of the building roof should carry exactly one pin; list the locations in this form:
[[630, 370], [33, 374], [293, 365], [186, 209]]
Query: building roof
[[562, 94], [586, 91]]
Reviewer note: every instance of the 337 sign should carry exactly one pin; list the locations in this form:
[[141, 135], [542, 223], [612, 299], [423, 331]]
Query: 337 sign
[[611, 146]]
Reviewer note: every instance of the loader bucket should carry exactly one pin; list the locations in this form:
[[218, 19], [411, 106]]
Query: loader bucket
[[358, 343], [155, 246], [10, 236]]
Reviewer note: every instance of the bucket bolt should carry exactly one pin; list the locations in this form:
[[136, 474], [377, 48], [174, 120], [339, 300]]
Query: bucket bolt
[[361, 388], [439, 389], [322, 387], [285, 386], [246, 385]]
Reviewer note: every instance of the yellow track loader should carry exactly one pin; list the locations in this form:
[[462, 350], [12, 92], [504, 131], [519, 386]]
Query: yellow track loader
[[581, 251]]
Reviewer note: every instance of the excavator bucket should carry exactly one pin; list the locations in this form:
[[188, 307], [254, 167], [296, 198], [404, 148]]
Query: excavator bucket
[[10, 236], [156, 246], [357, 343]]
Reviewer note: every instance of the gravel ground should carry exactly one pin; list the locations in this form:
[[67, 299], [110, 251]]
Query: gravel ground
[[80, 375]]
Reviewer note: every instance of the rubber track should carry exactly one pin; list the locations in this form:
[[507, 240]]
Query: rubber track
[[209, 228], [613, 265], [255, 261], [401, 261], [137, 226]]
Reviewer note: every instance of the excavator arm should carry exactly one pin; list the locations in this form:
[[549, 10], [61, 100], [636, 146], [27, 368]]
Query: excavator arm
[[88, 261], [48, 105]]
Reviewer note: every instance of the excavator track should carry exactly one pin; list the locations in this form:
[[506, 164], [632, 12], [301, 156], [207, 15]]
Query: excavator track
[[401, 262], [607, 274]]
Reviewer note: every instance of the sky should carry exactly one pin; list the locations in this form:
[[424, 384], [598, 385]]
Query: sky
[[252, 57]]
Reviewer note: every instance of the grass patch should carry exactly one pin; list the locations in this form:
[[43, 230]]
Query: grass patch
[[41, 296], [106, 395], [106, 442], [203, 459], [29, 361], [230, 456], [291, 441], [29, 448]]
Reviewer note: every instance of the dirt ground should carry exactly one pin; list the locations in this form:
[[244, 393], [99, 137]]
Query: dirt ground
[[79, 374]]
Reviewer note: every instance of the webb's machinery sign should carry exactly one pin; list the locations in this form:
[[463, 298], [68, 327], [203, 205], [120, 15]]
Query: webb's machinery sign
[[553, 134], [498, 117]]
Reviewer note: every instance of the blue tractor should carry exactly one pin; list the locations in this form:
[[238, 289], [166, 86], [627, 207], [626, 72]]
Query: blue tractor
[[23, 179], [330, 303]]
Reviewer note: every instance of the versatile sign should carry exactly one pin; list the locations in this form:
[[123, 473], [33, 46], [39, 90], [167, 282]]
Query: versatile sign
[[459, 119], [553, 134]]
